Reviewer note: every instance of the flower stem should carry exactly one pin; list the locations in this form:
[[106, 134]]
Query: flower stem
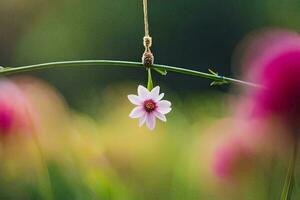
[[150, 82], [290, 179], [214, 77]]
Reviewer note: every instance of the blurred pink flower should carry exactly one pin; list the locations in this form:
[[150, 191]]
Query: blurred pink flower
[[149, 106], [231, 158], [14, 109], [265, 118], [281, 78], [275, 63]]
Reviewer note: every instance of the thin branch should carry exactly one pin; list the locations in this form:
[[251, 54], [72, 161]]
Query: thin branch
[[81, 63]]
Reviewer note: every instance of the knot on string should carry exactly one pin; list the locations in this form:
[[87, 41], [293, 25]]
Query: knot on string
[[147, 42]]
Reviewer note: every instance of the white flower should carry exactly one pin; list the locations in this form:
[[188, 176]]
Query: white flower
[[149, 106]]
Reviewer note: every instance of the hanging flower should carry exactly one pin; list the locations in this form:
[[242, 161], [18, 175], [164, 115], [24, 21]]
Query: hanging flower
[[149, 106]]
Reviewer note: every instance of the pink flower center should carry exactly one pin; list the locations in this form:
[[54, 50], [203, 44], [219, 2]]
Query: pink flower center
[[149, 105]]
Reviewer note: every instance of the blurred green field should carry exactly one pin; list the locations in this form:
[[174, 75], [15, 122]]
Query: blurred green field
[[108, 157], [75, 156]]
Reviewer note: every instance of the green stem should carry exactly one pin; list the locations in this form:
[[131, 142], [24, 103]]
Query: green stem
[[214, 77], [289, 180], [45, 178], [150, 82]]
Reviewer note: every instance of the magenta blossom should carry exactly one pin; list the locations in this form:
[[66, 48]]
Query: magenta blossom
[[149, 106], [14, 109], [281, 79], [231, 158], [276, 66]]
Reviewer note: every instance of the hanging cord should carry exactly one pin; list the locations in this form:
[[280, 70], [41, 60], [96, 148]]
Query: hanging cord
[[148, 58], [145, 4]]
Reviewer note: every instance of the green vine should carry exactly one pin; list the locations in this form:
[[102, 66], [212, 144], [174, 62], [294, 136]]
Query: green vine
[[160, 68]]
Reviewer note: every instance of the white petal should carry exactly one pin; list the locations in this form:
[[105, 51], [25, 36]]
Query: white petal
[[155, 92], [164, 110], [137, 112], [134, 99], [142, 120], [150, 121], [143, 92], [159, 97], [164, 107], [160, 116], [164, 103]]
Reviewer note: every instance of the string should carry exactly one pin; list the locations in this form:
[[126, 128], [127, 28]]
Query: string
[[146, 24], [148, 58]]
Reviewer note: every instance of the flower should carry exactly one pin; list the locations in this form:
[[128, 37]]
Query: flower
[[281, 77], [231, 158], [276, 66], [149, 106], [14, 109]]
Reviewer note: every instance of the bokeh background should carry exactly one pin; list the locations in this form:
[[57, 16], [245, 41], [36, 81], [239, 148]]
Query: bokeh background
[[87, 147]]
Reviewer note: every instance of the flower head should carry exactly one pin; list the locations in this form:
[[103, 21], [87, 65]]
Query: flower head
[[232, 158], [14, 109], [276, 66], [149, 106]]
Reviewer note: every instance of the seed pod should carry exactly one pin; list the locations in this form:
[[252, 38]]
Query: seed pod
[[148, 59]]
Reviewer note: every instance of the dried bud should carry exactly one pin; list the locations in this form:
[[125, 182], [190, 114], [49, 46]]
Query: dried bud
[[148, 59]]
